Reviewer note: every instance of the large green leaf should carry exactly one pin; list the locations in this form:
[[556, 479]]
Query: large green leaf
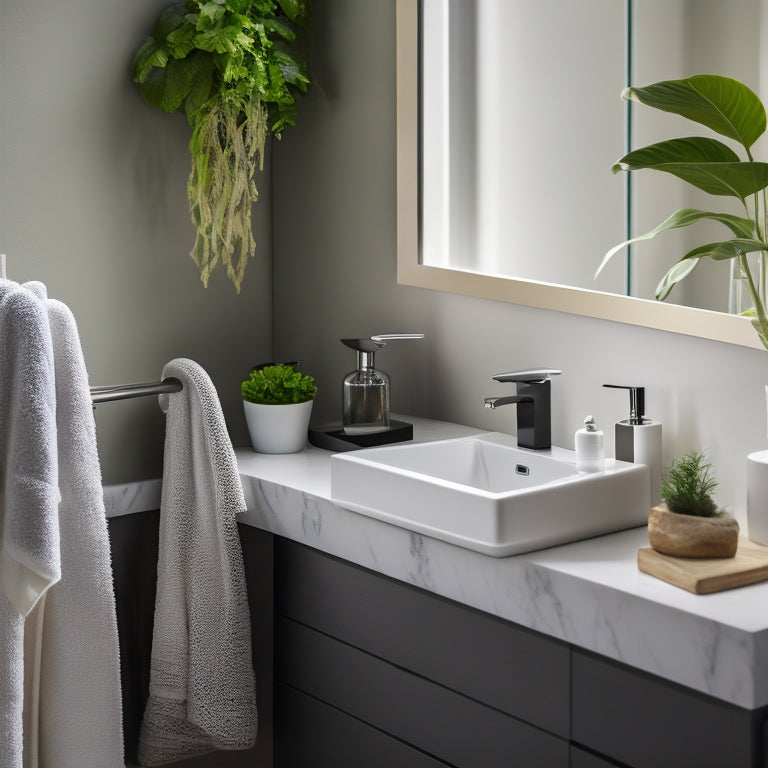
[[202, 88], [690, 149], [150, 55], [167, 88], [279, 27], [705, 163], [729, 249], [740, 227], [170, 19], [181, 42], [676, 273], [725, 105], [295, 10]]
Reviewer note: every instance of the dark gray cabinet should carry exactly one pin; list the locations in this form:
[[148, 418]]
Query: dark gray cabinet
[[371, 671], [410, 708], [317, 734], [651, 723], [460, 648], [580, 758], [427, 672]]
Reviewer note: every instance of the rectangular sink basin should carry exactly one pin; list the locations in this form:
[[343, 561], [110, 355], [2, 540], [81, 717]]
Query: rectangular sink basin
[[484, 493]]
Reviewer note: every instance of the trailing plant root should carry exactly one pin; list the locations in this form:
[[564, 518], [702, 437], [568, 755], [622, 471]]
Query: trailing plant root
[[227, 148]]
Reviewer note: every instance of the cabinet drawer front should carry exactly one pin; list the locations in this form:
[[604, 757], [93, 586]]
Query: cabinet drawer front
[[647, 722], [310, 733], [508, 667], [580, 758], [432, 718]]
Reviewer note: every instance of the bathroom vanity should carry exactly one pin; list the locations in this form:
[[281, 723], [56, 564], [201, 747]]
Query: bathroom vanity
[[393, 648]]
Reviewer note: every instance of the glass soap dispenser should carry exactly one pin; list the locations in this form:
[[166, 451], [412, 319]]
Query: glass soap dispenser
[[365, 391]]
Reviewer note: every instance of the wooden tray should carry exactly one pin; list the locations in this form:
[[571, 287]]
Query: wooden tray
[[702, 576]]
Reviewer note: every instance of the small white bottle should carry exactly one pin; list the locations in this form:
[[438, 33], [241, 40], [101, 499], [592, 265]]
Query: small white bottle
[[590, 447]]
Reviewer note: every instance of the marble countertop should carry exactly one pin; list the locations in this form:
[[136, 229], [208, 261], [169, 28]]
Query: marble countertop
[[589, 593]]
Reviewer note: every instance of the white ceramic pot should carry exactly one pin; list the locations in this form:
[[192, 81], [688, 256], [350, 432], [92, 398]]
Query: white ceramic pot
[[757, 497], [278, 428]]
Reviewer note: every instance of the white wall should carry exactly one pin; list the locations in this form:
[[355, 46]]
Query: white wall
[[93, 203], [334, 276]]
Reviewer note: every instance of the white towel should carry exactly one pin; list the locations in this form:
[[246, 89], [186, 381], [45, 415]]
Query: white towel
[[29, 496], [202, 687], [80, 704]]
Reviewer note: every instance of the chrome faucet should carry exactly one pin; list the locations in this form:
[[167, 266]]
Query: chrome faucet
[[534, 405]]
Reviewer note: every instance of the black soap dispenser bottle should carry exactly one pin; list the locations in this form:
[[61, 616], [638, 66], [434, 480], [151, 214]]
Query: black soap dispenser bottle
[[365, 391]]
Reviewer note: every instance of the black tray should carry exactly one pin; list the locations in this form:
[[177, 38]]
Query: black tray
[[333, 437]]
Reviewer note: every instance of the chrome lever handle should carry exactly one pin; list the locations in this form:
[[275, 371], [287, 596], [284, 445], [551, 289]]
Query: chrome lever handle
[[532, 375]]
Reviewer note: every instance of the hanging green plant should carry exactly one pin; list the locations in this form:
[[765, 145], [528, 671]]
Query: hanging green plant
[[235, 68]]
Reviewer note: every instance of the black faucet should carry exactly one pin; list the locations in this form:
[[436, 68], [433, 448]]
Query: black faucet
[[534, 405]]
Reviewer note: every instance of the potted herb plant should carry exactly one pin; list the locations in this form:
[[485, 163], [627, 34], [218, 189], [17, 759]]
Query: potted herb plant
[[277, 399], [235, 67], [732, 110], [689, 524]]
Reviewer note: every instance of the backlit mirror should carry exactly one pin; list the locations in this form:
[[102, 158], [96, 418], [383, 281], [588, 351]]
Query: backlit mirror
[[505, 189]]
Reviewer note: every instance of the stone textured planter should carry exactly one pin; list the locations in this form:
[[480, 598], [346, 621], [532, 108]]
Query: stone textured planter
[[689, 536]]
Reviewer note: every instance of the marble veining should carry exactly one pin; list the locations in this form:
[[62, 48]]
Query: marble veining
[[129, 498], [588, 593]]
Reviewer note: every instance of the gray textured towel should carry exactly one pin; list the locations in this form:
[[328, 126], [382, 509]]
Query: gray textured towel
[[202, 687]]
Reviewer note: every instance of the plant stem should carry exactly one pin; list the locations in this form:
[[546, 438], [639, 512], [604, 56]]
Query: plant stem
[[761, 319], [760, 232], [757, 292]]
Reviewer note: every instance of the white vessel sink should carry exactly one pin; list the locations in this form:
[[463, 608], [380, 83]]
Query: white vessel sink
[[484, 493]]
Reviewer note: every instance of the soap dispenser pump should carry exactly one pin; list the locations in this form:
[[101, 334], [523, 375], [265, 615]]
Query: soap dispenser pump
[[638, 439], [365, 391]]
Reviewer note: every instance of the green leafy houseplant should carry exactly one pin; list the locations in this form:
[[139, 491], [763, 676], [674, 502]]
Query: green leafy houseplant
[[732, 110], [687, 486], [278, 384], [234, 67]]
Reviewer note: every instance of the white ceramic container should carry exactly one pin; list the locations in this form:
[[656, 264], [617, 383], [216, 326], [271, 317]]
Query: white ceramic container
[[757, 497], [278, 428]]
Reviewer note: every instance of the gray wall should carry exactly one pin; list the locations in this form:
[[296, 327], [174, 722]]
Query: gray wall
[[93, 203], [334, 275]]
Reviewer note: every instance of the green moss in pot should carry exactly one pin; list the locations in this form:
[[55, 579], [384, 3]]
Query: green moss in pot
[[277, 400], [689, 523]]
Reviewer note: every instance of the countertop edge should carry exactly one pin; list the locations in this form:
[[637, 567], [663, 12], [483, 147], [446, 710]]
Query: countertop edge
[[589, 594], [534, 591]]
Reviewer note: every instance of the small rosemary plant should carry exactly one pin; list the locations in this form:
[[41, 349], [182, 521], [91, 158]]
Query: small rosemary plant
[[687, 486]]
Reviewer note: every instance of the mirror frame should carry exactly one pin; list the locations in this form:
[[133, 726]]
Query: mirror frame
[[675, 318]]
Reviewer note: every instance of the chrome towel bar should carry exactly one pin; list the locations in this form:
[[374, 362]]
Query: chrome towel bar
[[106, 393]]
